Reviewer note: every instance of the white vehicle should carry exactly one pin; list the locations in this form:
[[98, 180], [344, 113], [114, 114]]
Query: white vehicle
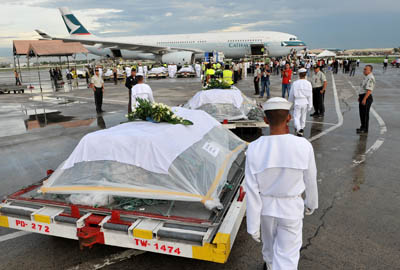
[[200, 198], [182, 48]]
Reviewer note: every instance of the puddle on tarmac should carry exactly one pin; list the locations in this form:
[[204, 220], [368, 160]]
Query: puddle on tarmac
[[42, 120], [56, 118]]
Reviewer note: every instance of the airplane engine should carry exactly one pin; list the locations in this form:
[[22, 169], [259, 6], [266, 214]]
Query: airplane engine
[[178, 58]]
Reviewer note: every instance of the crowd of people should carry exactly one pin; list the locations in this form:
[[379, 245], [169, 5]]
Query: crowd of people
[[279, 166]]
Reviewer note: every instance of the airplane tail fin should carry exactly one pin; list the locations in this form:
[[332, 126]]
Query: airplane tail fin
[[73, 25], [43, 34]]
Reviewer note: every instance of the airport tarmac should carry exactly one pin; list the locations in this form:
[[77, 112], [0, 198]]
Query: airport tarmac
[[357, 225]]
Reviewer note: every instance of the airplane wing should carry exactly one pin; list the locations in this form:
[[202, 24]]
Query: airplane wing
[[121, 45]]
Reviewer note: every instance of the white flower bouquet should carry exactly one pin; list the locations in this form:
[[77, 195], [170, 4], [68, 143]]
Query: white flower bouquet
[[156, 113]]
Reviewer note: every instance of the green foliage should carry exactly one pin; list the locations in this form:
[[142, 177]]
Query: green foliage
[[155, 112], [375, 59], [217, 84]]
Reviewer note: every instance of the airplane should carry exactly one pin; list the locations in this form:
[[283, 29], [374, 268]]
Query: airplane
[[182, 48]]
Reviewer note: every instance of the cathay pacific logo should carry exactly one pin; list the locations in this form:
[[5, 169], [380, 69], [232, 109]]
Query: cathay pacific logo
[[73, 25]]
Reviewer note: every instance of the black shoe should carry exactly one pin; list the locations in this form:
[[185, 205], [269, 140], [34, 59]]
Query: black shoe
[[314, 114], [298, 134], [320, 115], [361, 131], [301, 131], [265, 266]]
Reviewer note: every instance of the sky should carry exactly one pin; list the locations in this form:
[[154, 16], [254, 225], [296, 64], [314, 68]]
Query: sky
[[344, 24]]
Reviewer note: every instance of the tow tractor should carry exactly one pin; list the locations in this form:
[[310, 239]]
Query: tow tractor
[[178, 228]]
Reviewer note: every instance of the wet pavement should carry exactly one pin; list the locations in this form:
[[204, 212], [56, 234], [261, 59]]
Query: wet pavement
[[357, 225]]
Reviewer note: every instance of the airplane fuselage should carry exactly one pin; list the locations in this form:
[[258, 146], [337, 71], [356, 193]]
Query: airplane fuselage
[[233, 44]]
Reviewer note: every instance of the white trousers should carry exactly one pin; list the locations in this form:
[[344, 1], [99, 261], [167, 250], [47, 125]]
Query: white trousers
[[282, 240], [299, 116]]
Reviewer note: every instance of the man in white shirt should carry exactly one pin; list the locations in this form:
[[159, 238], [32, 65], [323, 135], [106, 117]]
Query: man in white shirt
[[385, 63], [100, 72], [140, 69], [97, 84], [128, 71], [301, 96], [141, 90], [279, 168]]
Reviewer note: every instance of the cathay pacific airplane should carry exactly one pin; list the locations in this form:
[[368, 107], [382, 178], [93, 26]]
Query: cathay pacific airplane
[[179, 49]]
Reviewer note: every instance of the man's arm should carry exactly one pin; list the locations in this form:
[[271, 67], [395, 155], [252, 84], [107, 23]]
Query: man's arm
[[127, 83], [150, 92], [310, 99], [325, 83], [310, 181], [370, 87], [254, 202], [92, 84], [324, 87], [291, 94], [364, 101]]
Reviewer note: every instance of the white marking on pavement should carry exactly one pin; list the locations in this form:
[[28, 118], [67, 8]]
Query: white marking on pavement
[[378, 143], [109, 260], [338, 112], [13, 235], [321, 123], [112, 101]]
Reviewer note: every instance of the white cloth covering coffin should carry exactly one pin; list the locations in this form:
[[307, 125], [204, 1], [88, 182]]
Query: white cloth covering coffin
[[216, 96], [188, 69], [143, 144], [152, 161], [158, 70], [229, 104]]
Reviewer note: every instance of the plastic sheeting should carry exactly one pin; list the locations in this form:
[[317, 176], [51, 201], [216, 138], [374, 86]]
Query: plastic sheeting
[[188, 69], [197, 174], [158, 70], [226, 106], [150, 146], [216, 96]]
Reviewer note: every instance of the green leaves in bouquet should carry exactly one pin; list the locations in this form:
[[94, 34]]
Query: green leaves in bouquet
[[155, 112], [217, 84]]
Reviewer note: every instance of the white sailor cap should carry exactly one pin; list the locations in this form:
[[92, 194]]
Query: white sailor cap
[[139, 74], [277, 103], [302, 70]]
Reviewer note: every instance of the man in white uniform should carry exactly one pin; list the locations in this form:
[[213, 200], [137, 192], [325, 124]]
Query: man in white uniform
[[301, 96], [197, 67], [145, 71], [128, 71], [140, 69], [141, 90], [279, 168]]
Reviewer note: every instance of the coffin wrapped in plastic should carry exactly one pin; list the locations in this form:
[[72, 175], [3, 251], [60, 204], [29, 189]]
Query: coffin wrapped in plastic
[[229, 104], [158, 70], [152, 161], [187, 69]]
